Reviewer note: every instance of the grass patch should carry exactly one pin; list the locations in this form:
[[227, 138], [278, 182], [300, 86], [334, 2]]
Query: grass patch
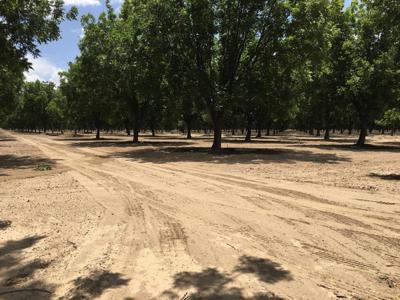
[[43, 167]]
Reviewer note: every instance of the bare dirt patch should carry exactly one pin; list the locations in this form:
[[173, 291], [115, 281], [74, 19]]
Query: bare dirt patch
[[285, 217]]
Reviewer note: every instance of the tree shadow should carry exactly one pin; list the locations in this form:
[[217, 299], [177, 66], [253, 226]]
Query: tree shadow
[[11, 161], [213, 284], [4, 224], [95, 284], [354, 148], [385, 176], [227, 155], [7, 139], [17, 274], [35, 290], [331, 141], [18, 245], [84, 138], [262, 140], [266, 270], [96, 143], [391, 143], [179, 137]]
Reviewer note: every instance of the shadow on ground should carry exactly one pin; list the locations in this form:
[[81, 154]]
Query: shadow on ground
[[17, 274], [212, 284], [95, 284], [227, 155], [87, 139], [385, 176], [288, 140], [108, 143], [355, 148], [4, 224], [11, 161], [6, 139]]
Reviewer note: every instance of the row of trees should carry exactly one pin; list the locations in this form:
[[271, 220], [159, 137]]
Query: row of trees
[[23, 26], [259, 64]]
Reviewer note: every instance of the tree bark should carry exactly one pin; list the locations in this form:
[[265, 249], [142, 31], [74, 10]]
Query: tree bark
[[327, 136], [135, 135], [363, 135], [136, 130], [189, 129], [248, 134], [217, 132], [258, 132], [97, 133], [136, 120]]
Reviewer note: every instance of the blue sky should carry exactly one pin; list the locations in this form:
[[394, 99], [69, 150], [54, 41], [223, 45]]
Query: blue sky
[[56, 55]]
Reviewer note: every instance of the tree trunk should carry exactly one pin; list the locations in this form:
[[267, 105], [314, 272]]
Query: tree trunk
[[189, 129], [153, 132], [97, 133], [318, 132], [258, 132], [268, 131], [128, 131], [327, 136], [136, 130], [363, 135], [136, 116], [233, 132], [248, 130], [311, 131], [217, 132], [135, 135]]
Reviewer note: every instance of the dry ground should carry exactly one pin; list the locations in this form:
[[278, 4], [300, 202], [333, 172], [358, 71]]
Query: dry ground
[[288, 217]]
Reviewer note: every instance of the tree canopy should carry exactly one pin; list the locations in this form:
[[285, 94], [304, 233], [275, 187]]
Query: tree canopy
[[200, 64], [23, 26]]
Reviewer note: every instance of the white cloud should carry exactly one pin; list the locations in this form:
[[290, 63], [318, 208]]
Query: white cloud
[[79, 31], [117, 5], [42, 69], [82, 2]]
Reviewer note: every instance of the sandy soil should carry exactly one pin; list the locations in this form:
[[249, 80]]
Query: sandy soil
[[288, 217]]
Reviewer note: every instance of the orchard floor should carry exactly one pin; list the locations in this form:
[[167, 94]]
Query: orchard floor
[[284, 217]]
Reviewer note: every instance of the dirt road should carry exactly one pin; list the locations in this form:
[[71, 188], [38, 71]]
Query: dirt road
[[115, 221]]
